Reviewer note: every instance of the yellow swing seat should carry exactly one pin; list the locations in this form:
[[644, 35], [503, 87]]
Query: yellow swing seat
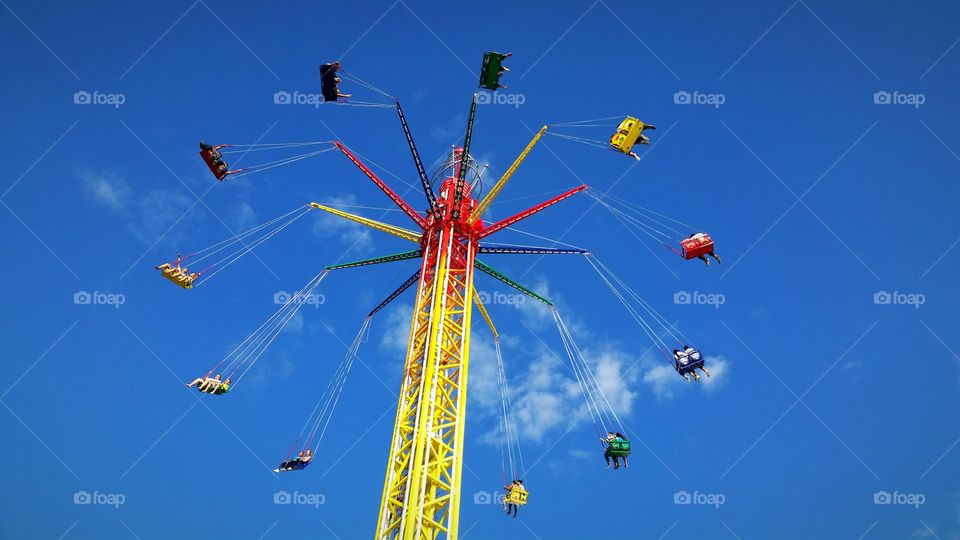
[[516, 496], [179, 277], [628, 134]]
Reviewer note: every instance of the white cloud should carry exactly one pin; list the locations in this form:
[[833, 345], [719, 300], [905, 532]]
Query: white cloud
[[578, 453], [295, 324], [662, 381], [395, 330], [455, 128], [719, 369], [484, 388], [355, 237], [613, 382], [535, 312], [158, 211], [148, 215], [269, 371], [110, 191], [243, 216], [665, 383], [546, 396]]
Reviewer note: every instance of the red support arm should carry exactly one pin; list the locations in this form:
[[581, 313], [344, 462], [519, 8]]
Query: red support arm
[[529, 212], [407, 209]]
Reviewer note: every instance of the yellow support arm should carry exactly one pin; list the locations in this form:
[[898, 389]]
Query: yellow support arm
[[383, 227], [483, 311], [495, 190]]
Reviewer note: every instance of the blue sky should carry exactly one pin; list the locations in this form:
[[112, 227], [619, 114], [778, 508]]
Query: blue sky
[[819, 199]]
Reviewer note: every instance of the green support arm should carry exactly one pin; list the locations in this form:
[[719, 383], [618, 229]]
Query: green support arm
[[377, 260], [485, 268]]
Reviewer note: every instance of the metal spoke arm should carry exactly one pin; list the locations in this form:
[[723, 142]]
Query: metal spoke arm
[[495, 190], [483, 311], [406, 285], [531, 250], [485, 268], [529, 212], [407, 209], [406, 234], [424, 179], [378, 260], [464, 159]]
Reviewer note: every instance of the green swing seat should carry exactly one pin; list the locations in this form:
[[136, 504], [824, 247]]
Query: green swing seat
[[490, 70], [620, 448]]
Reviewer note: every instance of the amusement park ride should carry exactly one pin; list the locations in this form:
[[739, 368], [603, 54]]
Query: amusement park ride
[[421, 492]]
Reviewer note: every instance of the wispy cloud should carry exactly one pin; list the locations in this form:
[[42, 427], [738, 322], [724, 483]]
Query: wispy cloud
[[295, 324], [454, 128], [664, 383], [544, 392], [545, 395], [242, 216], [353, 235], [157, 216], [148, 215], [109, 190]]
